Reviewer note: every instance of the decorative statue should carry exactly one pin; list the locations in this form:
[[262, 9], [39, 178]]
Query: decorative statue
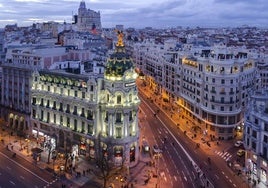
[[120, 37]]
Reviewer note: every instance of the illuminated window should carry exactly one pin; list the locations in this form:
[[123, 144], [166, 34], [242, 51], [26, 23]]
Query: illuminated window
[[118, 132], [90, 128]]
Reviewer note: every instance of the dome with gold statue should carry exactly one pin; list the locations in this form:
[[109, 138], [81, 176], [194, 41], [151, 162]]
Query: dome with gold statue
[[119, 62]]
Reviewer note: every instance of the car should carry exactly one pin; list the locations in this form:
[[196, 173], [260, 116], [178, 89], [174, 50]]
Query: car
[[240, 152], [156, 149], [145, 146], [238, 143]]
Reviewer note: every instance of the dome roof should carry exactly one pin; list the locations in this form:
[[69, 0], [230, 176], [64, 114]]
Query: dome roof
[[119, 62]]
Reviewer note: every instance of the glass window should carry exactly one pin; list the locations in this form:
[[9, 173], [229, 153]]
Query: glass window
[[118, 99], [118, 117]]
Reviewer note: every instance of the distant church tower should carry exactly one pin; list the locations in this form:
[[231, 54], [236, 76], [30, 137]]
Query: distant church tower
[[88, 20]]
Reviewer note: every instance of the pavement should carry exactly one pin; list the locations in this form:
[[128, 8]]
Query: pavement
[[139, 176]]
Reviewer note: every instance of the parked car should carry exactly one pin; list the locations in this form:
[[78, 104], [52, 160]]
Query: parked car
[[240, 152], [238, 143]]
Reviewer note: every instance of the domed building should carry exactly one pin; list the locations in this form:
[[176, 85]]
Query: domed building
[[86, 114], [120, 107]]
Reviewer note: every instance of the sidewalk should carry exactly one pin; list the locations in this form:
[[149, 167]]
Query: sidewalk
[[136, 179], [22, 148]]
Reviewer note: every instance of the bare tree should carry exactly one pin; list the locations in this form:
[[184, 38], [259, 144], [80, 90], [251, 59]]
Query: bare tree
[[104, 160]]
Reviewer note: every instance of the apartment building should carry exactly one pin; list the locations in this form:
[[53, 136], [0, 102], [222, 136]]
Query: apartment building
[[17, 80], [210, 85], [256, 137]]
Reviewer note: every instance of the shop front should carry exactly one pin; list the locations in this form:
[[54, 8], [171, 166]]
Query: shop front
[[118, 155]]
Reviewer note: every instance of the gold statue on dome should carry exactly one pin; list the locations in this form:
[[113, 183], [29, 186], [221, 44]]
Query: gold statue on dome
[[120, 37]]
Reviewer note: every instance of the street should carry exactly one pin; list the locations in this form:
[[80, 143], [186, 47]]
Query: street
[[175, 165], [13, 174]]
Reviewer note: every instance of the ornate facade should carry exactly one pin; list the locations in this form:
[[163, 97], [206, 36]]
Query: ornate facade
[[210, 86], [87, 115], [87, 19]]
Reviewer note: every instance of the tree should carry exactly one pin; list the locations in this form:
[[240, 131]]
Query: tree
[[104, 159]]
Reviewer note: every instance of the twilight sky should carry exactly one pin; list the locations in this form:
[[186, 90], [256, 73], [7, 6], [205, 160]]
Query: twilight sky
[[140, 13]]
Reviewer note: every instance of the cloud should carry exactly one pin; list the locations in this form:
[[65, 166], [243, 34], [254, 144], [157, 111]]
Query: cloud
[[141, 13]]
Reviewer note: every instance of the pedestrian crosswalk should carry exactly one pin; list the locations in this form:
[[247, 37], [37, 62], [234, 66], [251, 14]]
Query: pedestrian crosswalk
[[225, 155]]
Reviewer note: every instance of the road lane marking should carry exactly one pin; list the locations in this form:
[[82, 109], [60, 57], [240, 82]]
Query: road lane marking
[[184, 175], [8, 168], [24, 168], [175, 178], [22, 177], [193, 174], [12, 182], [217, 176]]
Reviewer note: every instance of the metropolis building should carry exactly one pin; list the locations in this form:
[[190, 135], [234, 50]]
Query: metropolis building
[[85, 114]]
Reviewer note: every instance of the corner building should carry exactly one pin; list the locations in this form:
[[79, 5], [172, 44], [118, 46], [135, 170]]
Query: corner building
[[209, 86], [85, 115]]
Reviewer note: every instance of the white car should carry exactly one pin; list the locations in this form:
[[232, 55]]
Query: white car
[[238, 143]]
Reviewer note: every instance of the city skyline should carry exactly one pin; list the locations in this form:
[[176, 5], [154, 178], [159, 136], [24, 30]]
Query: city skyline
[[139, 14]]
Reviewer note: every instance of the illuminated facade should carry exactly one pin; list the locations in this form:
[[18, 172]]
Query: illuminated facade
[[15, 106], [209, 86], [79, 111], [256, 137]]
